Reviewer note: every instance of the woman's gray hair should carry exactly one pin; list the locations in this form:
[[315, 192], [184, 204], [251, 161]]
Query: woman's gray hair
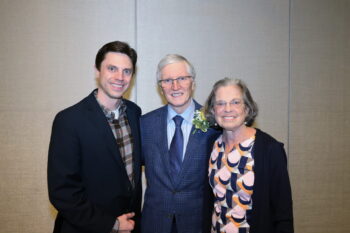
[[248, 100], [174, 58]]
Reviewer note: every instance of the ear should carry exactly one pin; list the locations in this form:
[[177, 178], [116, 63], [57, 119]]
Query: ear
[[160, 90], [193, 85], [97, 72], [246, 111]]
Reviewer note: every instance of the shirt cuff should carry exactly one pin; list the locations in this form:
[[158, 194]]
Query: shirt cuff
[[115, 227]]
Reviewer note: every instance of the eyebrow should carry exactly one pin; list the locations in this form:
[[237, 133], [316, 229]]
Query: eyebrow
[[111, 65]]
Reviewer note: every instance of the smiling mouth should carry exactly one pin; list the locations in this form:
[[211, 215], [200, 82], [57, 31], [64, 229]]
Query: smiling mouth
[[176, 94], [230, 117], [116, 85]]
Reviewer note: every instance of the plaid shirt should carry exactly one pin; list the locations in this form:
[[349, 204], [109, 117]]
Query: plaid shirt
[[122, 132]]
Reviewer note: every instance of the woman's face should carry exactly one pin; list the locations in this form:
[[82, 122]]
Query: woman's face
[[229, 109]]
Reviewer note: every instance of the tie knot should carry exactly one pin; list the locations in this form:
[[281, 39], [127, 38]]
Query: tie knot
[[178, 120]]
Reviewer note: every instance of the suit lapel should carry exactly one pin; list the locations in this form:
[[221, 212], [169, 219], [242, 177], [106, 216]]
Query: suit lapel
[[161, 123], [134, 125], [98, 119]]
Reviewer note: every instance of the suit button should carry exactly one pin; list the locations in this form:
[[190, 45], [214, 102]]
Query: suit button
[[174, 191]]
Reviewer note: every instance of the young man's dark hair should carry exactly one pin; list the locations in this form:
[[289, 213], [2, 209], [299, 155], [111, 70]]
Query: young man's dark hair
[[117, 47]]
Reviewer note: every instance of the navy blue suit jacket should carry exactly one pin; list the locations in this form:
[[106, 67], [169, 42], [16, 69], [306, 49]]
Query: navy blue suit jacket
[[87, 180], [166, 197]]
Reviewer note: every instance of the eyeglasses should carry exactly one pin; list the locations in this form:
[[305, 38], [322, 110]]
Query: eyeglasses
[[181, 80], [220, 105]]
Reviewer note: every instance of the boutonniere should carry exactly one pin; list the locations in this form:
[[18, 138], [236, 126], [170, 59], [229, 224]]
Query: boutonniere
[[200, 121]]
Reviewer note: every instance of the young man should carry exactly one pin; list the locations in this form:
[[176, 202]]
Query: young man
[[94, 162], [175, 157]]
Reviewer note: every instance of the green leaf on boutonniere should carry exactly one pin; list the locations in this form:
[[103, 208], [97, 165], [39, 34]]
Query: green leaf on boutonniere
[[200, 122]]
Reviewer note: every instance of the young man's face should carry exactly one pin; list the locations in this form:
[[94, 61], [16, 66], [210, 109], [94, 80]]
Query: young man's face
[[113, 78]]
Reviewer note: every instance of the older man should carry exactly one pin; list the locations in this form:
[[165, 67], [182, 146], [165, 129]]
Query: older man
[[175, 155]]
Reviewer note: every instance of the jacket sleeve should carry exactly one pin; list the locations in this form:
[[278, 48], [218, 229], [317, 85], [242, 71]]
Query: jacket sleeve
[[65, 182], [281, 195]]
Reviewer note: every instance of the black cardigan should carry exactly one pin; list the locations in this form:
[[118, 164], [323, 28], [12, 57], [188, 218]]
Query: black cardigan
[[272, 210]]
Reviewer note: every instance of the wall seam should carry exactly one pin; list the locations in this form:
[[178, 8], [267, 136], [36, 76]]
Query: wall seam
[[289, 78], [136, 46]]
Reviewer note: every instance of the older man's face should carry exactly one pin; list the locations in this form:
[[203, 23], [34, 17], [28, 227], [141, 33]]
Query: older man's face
[[178, 93]]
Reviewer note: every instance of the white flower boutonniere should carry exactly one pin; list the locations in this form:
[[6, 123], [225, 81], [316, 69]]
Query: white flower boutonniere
[[199, 121]]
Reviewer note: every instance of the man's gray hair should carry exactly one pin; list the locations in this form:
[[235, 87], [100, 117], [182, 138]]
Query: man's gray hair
[[174, 58]]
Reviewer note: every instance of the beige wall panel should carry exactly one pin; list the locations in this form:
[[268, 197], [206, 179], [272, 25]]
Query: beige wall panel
[[320, 113], [245, 39], [47, 55]]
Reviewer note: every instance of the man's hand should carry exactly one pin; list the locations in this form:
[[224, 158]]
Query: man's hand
[[126, 224]]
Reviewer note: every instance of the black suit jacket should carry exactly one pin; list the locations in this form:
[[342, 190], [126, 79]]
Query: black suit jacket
[[272, 196], [87, 180]]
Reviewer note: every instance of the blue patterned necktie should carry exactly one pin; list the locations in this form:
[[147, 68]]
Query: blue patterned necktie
[[176, 146]]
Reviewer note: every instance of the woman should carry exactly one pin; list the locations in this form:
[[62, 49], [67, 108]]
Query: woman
[[247, 168]]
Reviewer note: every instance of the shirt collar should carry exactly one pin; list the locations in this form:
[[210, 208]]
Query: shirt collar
[[112, 114], [187, 114]]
